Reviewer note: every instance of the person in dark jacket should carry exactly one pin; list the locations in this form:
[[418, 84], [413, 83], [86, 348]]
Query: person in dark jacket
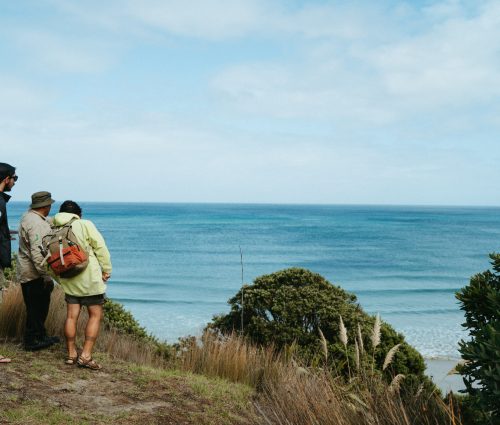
[[8, 179]]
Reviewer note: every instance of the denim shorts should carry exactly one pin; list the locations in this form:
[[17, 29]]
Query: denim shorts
[[90, 300]]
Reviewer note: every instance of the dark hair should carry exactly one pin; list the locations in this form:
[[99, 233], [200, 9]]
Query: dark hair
[[70, 207], [6, 170]]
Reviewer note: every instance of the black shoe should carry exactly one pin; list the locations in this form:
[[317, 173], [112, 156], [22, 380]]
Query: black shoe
[[36, 345], [52, 339]]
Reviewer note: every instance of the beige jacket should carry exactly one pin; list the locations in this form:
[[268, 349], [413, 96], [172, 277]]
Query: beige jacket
[[32, 228]]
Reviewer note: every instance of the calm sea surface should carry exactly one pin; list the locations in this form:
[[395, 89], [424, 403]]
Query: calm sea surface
[[176, 265]]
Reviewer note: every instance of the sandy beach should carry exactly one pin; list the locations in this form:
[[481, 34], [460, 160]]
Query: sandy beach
[[438, 370]]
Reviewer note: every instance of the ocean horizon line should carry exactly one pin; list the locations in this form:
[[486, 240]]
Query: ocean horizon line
[[284, 204]]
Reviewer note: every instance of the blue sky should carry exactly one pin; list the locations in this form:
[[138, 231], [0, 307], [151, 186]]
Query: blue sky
[[356, 102]]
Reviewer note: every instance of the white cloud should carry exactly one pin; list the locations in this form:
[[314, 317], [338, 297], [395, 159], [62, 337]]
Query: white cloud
[[310, 91], [209, 19], [452, 63], [63, 53], [329, 20], [456, 61], [213, 19]]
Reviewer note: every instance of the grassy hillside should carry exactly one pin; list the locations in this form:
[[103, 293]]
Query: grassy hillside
[[38, 388]]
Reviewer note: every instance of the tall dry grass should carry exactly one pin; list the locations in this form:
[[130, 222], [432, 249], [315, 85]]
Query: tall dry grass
[[290, 393], [230, 357], [13, 318], [13, 314], [320, 397]]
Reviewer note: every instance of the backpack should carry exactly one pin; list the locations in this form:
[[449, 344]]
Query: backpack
[[63, 254]]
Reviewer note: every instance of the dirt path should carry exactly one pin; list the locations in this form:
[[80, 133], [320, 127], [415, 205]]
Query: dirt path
[[37, 388]]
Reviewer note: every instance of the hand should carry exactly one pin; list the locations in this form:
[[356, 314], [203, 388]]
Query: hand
[[48, 283], [105, 276]]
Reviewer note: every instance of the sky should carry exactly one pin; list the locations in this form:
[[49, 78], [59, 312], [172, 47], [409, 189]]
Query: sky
[[253, 101]]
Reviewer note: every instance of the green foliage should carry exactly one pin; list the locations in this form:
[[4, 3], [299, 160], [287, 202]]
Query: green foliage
[[10, 273], [122, 321], [287, 308], [480, 301], [467, 408]]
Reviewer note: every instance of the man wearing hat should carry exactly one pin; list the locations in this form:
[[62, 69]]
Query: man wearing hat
[[36, 283]]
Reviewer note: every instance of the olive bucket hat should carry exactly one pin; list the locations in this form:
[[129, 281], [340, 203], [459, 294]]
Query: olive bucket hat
[[41, 199]]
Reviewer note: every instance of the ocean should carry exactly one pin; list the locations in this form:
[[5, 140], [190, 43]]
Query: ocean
[[176, 265]]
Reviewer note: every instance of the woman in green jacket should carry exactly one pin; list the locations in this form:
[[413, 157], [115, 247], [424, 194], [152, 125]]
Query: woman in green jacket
[[87, 288]]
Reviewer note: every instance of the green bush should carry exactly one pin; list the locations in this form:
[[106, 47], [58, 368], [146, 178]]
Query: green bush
[[480, 301], [287, 308]]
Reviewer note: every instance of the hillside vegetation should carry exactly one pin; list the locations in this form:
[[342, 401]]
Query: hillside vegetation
[[216, 379]]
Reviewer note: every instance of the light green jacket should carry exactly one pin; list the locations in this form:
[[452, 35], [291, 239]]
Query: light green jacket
[[89, 282]]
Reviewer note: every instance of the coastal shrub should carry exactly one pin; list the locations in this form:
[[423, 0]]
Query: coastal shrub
[[289, 308], [480, 300]]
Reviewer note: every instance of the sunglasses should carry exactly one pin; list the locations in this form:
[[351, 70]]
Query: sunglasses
[[14, 178]]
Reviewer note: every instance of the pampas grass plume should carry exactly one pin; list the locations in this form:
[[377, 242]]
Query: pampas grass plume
[[324, 344], [390, 355], [343, 332], [358, 359], [360, 338], [396, 383], [376, 332]]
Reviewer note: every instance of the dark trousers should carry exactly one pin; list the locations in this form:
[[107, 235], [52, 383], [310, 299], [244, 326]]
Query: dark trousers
[[36, 294]]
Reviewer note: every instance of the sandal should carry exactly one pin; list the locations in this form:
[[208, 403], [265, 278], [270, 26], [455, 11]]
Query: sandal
[[71, 360], [4, 359], [88, 363]]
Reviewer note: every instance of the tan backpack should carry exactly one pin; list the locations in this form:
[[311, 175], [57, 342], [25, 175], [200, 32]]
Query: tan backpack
[[63, 254]]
